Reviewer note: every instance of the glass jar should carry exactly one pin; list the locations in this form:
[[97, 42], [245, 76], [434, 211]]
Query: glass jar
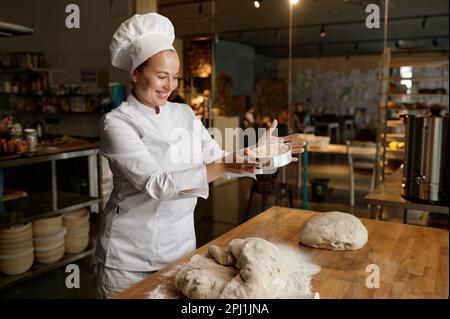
[[16, 131], [32, 138]]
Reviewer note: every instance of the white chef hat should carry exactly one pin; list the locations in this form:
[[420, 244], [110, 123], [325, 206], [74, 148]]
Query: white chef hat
[[139, 38]]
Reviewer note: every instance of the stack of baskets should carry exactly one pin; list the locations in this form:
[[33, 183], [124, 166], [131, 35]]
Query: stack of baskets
[[16, 249], [49, 244], [77, 224]]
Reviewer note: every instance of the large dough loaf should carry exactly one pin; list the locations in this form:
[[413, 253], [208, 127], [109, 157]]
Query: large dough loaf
[[247, 268], [334, 231]]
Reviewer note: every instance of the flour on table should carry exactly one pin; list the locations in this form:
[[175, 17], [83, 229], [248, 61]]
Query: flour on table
[[165, 290], [157, 294], [300, 271]]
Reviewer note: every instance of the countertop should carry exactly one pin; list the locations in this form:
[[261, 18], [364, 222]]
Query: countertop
[[389, 193], [413, 260]]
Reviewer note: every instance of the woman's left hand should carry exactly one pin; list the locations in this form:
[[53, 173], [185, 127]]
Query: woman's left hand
[[294, 140]]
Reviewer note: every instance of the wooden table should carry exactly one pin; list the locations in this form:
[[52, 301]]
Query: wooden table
[[368, 152], [389, 193], [413, 260], [359, 151]]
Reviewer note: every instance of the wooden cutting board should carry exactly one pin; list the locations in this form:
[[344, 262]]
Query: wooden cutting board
[[412, 260]]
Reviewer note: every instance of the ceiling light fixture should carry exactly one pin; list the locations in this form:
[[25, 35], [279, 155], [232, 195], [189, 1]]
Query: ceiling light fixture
[[294, 1], [257, 3], [323, 34]]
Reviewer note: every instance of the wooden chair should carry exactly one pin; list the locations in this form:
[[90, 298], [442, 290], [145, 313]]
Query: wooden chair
[[357, 163]]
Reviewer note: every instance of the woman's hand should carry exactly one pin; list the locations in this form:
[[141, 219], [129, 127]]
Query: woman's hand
[[294, 140], [239, 164], [235, 163], [296, 143], [268, 137]]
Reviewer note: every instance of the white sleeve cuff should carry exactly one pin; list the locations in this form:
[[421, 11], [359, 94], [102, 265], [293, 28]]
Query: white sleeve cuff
[[192, 182]]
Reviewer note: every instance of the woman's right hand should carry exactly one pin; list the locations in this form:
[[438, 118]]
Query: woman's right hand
[[237, 163]]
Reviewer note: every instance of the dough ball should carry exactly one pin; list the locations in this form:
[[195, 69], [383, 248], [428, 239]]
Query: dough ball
[[334, 231]]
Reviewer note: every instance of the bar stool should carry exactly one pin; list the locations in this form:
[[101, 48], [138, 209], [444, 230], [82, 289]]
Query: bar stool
[[348, 128], [330, 126]]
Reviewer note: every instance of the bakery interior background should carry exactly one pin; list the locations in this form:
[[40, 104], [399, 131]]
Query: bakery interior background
[[355, 93]]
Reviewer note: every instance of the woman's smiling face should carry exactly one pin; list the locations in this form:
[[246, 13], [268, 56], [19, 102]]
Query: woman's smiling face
[[155, 81]]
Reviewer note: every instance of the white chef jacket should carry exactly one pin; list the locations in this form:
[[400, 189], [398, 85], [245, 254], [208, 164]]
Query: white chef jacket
[[148, 221]]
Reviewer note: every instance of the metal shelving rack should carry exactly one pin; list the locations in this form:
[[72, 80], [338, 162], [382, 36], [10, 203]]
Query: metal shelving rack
[[51, 203], [388, 112]]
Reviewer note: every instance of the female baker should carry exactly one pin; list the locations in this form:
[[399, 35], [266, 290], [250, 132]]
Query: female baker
[[161, 158]]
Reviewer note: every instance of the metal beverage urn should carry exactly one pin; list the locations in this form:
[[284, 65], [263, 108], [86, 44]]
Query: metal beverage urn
[[425, 172]]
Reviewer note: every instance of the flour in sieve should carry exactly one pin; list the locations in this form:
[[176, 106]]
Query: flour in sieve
[[269, 150]]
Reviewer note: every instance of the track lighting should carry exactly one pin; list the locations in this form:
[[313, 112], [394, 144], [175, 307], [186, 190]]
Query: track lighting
[[257, 3]]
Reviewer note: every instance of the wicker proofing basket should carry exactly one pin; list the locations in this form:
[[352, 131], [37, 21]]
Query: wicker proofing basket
[[17, 264], [16, 231], [42, 244], [47, 226], [50, 256], [77, 240], [77, 237], [75, 245], [16, 247], [76, 218]]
